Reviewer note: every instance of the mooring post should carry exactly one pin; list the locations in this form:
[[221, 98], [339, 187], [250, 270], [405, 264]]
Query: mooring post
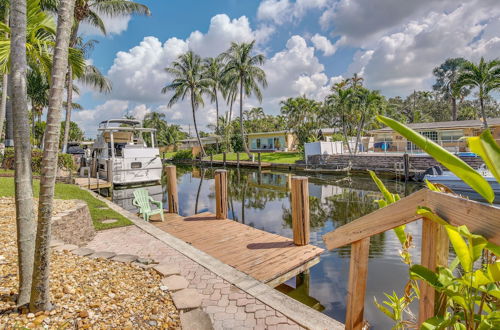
[[406, 166], [172, 197], [238, 159], [300, 210], [224, 158], [211, 160], [258, 160], [221, 194]]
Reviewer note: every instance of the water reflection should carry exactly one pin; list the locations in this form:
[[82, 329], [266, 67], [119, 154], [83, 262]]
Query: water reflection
[[262, 200]]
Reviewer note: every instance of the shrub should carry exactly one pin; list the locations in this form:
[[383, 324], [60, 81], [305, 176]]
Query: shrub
[[183, 155], [65, 161]]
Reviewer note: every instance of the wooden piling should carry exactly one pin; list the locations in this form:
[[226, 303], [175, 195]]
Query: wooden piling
[[109, 168], [224, 158], [172, 196], [238, 159], [211, 160], [406, 166], [258, 160], [300, 210], [221, 194]]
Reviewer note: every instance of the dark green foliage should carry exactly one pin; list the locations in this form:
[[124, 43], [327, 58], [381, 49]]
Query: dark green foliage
[[183, 155]]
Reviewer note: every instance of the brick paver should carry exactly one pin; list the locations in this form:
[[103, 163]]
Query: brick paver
[[228, 306]]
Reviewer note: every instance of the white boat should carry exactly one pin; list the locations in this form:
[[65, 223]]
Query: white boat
[[456, 184], [125, 153]]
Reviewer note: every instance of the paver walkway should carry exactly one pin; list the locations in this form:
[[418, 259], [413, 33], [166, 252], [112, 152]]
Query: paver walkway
[[228, 306]]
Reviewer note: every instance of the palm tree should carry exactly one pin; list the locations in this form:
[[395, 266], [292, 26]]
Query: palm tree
[[214, 72], [242, 70], [22, 153], [188, 79], [40, 294], [4, 7], [356, 81], [157, 121], [88, 11], [366, 103], [90, 77], [446, 82], [340, 102], [485, 76], [38, 93]]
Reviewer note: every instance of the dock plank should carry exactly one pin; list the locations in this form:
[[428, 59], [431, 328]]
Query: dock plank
[[259, 254]]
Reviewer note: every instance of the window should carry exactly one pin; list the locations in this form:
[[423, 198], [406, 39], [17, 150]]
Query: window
[[451, 136], [432, 135], [136, 165]]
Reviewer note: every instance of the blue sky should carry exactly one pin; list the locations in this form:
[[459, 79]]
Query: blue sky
[[310, 44]]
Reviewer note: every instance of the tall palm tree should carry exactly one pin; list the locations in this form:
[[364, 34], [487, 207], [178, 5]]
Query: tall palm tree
[[4, 7], [341, 102], [485, 76], [40, 293], [90, 77], [242, 70], [88, 11], [22, 153], [188, 80], [366, 103], [446, 82], [214, 72]]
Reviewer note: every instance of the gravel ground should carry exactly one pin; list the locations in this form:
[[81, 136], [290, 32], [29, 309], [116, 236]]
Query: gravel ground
[[86, 293]]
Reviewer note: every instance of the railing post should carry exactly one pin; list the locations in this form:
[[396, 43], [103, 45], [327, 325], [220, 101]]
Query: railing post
[[224, 158], [211, 160], [356, 290], [258, 160], [435, 247], [221, 194], [172, 197], [406, 166], [238, 159], [300, 210]]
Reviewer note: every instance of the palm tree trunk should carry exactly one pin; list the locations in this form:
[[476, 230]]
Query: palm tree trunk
[[242, 129], [483, 114], [358, 135], [196, 126], [344, 132], [9, 126], [202, 177], [5, 81], [217, 117], [40, 294], [69, 102], [3, 102], [25, 221], [453, 109]]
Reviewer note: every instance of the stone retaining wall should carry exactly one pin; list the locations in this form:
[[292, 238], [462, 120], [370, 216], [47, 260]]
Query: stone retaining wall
[[381, 162], [74, 226]]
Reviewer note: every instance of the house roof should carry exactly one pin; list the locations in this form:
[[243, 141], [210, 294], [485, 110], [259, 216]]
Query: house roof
[[445, 125], [324, 130]]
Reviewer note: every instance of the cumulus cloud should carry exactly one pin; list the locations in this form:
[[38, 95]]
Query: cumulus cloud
[[323, 44], [114, 25], [402, 61], [282, 11], [90, 118]]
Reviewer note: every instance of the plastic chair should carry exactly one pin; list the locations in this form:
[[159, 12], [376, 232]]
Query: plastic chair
[[143, 201]]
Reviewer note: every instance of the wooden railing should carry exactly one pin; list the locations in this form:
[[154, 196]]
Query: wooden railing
[[480, 219]]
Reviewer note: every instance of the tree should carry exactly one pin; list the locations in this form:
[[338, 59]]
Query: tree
[[302, 117], [5, 77], [75, 132], [90, 77], [173, 134], [188, 79], [88, 11], [367, 104], [22, 153], [242, 70], [40, 294], [485, 76], [340, 104], [157, 121], [214, 72], [446, 82]]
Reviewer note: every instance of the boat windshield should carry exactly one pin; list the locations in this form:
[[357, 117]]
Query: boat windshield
[[119, 123]]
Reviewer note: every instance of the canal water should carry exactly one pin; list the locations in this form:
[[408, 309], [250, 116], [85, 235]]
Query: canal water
[[262, 200]]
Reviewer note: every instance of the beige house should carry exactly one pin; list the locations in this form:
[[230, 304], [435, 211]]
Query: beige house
[[280, 140], [448, 134]]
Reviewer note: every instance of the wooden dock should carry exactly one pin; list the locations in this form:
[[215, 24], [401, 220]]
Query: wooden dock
[[267, 257], [242, 163], [92, 183]]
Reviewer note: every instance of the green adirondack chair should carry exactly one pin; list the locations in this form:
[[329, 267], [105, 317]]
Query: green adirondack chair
[[143, 201]]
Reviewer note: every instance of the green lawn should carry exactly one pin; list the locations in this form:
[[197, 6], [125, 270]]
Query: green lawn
[[269, 157], [98, 209], [4, 171]]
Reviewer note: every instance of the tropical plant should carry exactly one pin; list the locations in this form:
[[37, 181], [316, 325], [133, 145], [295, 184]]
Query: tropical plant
[[4, 7], [339, 105], [302, 117], [22, 153], [485, 76], [75, 132], [367, 104], [172, 135], [40, 293], [242, 71], [214, 72], [446, 83], [470, 292], [188, 79]]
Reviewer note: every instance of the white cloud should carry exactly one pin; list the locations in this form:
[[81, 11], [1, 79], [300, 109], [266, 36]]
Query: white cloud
[[89, 119], [283, 11], [403, 60], [114, 25], [322, 43]]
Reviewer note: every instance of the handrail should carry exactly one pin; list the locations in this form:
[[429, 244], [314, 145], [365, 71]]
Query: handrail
[[479, 218]]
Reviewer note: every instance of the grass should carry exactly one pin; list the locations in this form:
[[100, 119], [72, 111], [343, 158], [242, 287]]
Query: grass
[[168, 155], [4, 171], [98, 209], [268, 157]]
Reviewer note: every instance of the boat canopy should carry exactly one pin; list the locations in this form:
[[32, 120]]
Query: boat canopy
[[123, 125]]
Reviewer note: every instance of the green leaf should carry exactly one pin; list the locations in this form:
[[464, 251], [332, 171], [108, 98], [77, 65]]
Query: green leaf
[[427, 213], [493, 248], [422, 273], [486, 147], [447, 159], [460, 247], [384, 310], [389, 197]]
